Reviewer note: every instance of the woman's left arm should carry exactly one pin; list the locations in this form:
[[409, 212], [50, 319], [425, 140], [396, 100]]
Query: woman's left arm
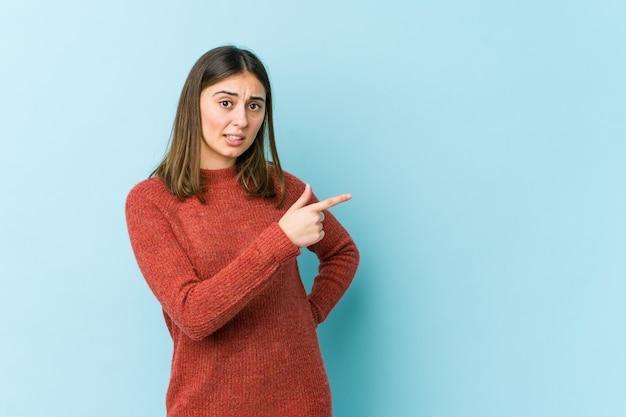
[[338, 261]]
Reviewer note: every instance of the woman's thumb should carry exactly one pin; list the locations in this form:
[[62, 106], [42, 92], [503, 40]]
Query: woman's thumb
[[303, 200]]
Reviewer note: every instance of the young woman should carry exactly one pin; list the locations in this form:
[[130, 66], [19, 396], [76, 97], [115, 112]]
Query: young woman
[[216, 231]]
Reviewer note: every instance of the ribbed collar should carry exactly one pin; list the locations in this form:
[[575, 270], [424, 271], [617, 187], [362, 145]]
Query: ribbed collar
[[224, 176]]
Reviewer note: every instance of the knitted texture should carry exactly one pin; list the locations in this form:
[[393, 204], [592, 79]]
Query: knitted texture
[[226, 275]]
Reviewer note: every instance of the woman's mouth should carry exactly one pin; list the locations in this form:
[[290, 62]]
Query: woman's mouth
[[234, 139]]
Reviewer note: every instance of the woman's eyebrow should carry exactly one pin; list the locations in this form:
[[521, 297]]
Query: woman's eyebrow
[[230, 93]]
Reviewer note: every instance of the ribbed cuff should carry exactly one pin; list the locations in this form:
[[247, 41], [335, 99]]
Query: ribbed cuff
[[282, 247]]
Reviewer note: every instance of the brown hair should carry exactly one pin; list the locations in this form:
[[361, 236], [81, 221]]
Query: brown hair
[[180, 168]]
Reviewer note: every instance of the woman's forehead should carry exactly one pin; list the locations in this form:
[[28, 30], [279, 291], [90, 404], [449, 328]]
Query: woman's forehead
[[241, 83]]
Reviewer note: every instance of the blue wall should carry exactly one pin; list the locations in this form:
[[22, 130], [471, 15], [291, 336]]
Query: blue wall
[[484, 143]]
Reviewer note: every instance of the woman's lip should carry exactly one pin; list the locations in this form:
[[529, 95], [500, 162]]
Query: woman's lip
[[234, 140]]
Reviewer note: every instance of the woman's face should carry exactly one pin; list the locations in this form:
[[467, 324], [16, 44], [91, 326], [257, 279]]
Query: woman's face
[[231, 112]]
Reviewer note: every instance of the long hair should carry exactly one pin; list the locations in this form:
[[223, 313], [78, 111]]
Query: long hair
[[180, 168]]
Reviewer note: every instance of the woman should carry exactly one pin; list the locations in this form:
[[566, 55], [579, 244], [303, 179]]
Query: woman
[[216, 231]]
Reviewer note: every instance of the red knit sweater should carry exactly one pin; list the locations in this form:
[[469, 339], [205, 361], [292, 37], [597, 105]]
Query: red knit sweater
[[243, 327]]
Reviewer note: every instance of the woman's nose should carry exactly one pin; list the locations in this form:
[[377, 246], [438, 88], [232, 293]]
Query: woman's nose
[[240, 116]]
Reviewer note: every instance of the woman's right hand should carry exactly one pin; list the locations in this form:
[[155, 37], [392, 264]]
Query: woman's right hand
[[302, 223]]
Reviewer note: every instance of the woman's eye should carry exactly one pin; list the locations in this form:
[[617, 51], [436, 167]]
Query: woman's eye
[[225, 103], [255, 106]]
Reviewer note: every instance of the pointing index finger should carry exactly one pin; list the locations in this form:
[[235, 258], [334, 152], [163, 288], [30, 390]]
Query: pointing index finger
[[330, 202]]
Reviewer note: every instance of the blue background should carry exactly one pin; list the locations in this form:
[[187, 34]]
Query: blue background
[[484, 143]]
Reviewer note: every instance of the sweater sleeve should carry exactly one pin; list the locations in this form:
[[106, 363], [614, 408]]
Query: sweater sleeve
[[338, 261], [199, 307]]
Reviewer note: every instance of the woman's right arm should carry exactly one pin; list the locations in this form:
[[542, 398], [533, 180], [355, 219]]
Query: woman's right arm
[[199, 307]]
